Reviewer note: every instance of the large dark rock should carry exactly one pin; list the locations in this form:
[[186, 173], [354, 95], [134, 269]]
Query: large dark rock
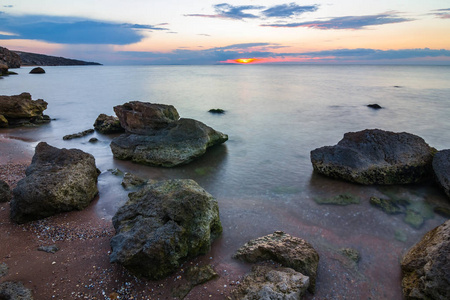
[[441, 168], [5, 192], [374, 156], [14, 291], [178, 143], [143, 117], [426, 266], [22, 110], [266, 282], [9, 58], [162, 225], [58, 180], [289, 251], [108, 124]]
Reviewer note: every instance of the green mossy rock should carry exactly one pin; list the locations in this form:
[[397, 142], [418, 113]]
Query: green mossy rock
[[387, 205], [343, 199], [163, 224]]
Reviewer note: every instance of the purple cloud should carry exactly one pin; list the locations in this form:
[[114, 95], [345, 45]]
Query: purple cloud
[[442, 13], [288, 10], [348, 22], [228, 11]]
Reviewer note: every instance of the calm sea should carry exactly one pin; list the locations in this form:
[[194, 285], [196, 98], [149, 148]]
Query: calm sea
[[262, 176]]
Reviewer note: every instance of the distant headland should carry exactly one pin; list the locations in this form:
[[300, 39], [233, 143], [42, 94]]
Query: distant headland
[[15, 59]]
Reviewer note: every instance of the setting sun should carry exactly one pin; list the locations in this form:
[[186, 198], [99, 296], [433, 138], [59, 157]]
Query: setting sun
[[245, 60]]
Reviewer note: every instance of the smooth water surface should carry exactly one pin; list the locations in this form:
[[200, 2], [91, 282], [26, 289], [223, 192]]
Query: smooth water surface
[[262, 176]]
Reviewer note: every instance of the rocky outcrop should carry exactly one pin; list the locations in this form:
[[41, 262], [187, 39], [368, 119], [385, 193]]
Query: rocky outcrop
[[37, 70], [9, 58], [20, 110], [441, 168], [5, 192], [289, 251], [374, 156], [156, 136], [58, 180], [269, 283], [144, 118], [14, 291], [426, 266], [163, 224], [34, 59], [78, 134], [108, 124]]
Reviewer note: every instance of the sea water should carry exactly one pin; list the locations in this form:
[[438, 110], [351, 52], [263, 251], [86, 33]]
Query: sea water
[[262, 176]]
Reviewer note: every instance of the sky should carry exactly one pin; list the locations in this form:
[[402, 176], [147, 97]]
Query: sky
[[118, 32]]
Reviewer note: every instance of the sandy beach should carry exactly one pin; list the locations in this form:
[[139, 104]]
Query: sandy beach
[[80, 269]]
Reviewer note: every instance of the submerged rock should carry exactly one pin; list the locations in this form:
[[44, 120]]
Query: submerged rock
[[108, 124], [426, 266], [441, 168], [266, 282], [78, 135], [5, 192], [343, 199], [20, 110], [216, 111], [155, 136], [289, 251], [351, 254], [374, 156], [37, 70], [58, 180], [162, 225], [14, 291], [195, 275], [389, 206]]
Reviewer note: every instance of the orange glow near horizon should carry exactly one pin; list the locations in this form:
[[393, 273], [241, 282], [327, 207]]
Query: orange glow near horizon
[[245, 60]]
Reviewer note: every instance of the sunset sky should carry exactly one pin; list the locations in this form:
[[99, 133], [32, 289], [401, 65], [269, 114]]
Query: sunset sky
[[213, 32]]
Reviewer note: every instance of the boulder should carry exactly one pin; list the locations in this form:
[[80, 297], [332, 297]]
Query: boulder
[[14, 291], [9, 58], [374, 156], [108, 124], [143, 117], [178, 143], [266, 282], [426, 266], [289, 251], [58, 180], [37, 70], [163, 224], [5, 192], [441, 168], [374, 106], [21, 109]]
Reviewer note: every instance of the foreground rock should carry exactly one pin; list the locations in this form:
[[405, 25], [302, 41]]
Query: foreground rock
[[14, 291], [162, 225], [108, 124], [20, 110], [5, 192], [441, 168], [268, 283], [426, 266], [58, 180], [374, 156], [289, 251], [156, 136]]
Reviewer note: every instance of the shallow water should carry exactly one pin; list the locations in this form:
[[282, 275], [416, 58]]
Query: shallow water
[[262, 176]]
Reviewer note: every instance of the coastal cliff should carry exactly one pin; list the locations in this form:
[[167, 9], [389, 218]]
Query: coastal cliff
[[33, 59], [9, 58]]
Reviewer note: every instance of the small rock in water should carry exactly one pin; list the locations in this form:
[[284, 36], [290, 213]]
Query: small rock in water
[[78, 135], [374, 106], [37, 70], [413, 218], [93, 140], [217, 111], [351, 253], [387, 205]]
